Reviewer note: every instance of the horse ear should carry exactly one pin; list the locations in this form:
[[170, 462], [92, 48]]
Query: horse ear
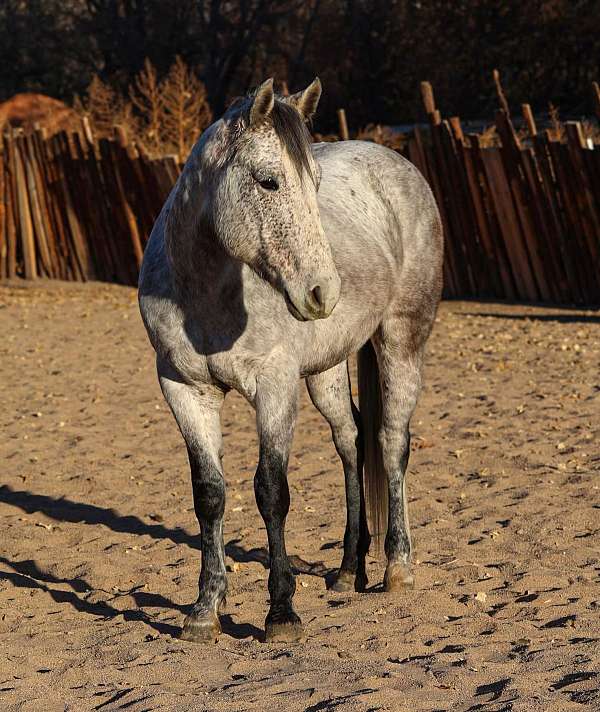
[[306, 101], [263, 103]]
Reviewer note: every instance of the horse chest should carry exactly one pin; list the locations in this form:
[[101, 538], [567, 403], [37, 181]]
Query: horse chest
[[237, 371]]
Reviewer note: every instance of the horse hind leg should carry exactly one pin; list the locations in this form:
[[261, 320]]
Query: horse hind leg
[[399, 343], [330, 392]]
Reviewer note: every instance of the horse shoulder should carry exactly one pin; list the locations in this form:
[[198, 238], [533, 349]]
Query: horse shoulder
[[163, 316]]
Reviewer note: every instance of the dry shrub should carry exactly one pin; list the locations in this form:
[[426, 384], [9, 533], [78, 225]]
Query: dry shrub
[[591, 130], [556, 131], [489, 137], [147, 98], [106, 108], [325, 138], [165, 117], [186, 109], [383, 135], [28, 110], [172, 113]]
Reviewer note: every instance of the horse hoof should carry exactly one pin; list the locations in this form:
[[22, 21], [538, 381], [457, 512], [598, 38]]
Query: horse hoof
[[283, 632], [343, 582], [398, 578], [200, 630]]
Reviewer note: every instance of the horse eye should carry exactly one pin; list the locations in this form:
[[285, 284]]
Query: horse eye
[[269, 184]]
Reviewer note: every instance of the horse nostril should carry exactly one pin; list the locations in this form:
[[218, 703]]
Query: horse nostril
[[317, 296]]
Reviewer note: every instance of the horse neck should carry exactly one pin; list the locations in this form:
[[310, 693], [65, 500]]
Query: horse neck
[[200, 266]]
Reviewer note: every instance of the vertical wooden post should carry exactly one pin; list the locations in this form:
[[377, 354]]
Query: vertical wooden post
[[110, 155], [123, 141], [3, 239], [529, 230], [121, 136], [457, 129], [11, 230], [77, 243], [529, 120], [35, 204], [427, 96], [87, 130], [343, 124], [596, 98], [25, 222], [500, 92], [584, 193], [429, 103], [35, 145], [575, 134]]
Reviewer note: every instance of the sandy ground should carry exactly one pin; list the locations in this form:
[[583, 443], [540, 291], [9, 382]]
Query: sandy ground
[[98, 540]]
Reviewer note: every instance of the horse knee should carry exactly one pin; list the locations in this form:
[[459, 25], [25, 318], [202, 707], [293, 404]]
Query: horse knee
[[208, 486], [271, 487]]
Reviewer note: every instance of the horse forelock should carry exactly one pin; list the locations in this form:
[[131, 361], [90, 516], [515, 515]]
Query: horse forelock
[[293, 134], [287, 123]]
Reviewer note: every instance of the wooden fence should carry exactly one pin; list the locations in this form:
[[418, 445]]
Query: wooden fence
[[522, 222], [77, 209]]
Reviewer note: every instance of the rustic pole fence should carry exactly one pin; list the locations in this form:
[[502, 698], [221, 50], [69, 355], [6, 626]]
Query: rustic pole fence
[[76, 208], [521, 217]]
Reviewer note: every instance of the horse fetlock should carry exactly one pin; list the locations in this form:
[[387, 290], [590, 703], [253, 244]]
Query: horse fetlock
[[361, 581], [398, 577]]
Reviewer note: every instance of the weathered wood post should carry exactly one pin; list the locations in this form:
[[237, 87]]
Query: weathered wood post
[[596, 98], [529, 120], [429, 102], [343, 124]]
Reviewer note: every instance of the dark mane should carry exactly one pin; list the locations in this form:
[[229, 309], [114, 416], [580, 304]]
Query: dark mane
[[289, 127], [293, 134]]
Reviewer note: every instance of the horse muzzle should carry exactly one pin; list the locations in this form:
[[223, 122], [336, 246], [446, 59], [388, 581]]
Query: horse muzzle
[[316, 301]]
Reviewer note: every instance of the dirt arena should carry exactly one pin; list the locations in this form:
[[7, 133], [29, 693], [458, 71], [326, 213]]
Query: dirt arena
[[98, 540]]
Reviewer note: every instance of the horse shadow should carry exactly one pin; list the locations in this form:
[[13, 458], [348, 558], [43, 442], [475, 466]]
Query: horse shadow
[[261, 556], [67, 510], [27, 573]]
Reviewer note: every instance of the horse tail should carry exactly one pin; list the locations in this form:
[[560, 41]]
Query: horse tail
[[369, 401]]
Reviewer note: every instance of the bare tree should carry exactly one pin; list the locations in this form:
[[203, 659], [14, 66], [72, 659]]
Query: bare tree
[[106, 108], [148, 98], [186, 109]]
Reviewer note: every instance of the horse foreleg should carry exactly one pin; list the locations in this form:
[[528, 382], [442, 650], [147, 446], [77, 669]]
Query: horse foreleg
[[196, 410], [330, 392], [276, 410]]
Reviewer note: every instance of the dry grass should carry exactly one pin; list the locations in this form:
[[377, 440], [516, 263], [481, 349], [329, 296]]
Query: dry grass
[[383, 135]]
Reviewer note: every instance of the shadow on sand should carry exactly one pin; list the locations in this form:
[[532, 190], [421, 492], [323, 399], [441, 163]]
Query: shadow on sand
[[27, 573]]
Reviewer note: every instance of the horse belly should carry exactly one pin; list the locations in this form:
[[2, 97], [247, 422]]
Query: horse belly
[[340, 335]]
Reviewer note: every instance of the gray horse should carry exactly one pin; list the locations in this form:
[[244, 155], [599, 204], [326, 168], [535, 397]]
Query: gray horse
[[274, 260]]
